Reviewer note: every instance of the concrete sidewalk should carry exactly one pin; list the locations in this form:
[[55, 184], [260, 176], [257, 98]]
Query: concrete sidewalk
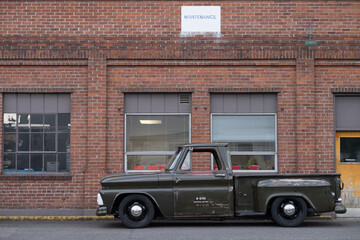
[[89, 214], [50, 214], [350, 213]]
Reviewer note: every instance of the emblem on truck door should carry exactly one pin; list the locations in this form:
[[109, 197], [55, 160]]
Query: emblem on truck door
[[200, 199], [201, 202]]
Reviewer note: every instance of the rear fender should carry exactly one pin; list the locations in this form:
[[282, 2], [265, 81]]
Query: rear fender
[[315, 192], [272, 197]]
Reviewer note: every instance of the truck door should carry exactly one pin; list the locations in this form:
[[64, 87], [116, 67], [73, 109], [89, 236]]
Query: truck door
[[202, 192]]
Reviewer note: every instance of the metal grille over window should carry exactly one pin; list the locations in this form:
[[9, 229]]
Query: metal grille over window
[[248, 123], [155, 125], [184, 98], [36, 133]]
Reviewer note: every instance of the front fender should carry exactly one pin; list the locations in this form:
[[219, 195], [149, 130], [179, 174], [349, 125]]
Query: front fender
[[120, 196], [161, 199]]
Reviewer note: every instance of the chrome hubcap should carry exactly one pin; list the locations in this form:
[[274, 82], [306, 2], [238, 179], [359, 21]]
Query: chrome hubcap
[[136, 211], [289, 209]]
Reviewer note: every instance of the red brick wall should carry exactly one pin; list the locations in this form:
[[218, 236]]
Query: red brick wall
[[256, 20], [330, 79], [202, 79], [50, 191], [98, 50]]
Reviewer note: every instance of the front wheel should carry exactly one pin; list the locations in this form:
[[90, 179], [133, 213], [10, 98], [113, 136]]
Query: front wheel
[[289, 211], [136, 211]]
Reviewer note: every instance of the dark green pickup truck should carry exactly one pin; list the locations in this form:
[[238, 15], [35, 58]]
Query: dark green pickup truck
[[181, 192]]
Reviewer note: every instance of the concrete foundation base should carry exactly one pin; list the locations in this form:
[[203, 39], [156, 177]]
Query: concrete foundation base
[[47, 212]]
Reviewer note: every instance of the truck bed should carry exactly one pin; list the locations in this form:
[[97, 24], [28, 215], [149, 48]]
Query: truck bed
[[250, 189]]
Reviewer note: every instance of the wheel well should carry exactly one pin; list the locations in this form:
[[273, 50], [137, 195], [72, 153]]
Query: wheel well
[[122, 196], [270, 202]]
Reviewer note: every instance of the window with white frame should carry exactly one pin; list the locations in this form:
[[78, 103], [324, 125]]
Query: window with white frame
[[36, 133], [248, 123], [155, 124]]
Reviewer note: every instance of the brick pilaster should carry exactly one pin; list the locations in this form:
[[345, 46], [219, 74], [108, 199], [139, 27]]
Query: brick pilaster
[[96, 140], [305, 116], [200, 126]]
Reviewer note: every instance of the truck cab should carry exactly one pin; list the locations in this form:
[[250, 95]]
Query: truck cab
[[199, 192]]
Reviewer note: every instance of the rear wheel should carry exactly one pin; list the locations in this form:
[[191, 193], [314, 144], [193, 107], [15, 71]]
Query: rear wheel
[[136, 211], [289, 211]]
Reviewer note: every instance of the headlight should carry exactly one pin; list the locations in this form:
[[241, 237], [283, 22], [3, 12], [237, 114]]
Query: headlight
[[100, 201]]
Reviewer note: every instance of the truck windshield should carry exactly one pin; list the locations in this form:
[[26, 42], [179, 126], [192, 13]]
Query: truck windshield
[[174, 159]]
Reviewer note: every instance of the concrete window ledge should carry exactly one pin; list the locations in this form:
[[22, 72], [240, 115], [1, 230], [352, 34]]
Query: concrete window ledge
[[34, 177]]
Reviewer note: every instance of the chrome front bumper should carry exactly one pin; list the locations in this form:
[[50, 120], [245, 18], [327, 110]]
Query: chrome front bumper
[[340, 209], [101, 211]]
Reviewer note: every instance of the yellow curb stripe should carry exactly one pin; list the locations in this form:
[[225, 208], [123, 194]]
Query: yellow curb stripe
[[52, 218], [320, 217]]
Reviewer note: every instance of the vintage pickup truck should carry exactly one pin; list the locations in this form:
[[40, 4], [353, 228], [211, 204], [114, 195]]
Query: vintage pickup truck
[[180, 191]]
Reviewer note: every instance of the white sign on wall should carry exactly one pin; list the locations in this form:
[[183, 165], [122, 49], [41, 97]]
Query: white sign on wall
[[201, 19]]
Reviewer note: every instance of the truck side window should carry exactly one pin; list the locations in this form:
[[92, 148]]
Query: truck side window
[[216, 162], [200, 160], [186, 165]]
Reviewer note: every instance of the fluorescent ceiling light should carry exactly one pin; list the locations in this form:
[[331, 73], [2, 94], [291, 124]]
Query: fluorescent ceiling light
[[150, 121]]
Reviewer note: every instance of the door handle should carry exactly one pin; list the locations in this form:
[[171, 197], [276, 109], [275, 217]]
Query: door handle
[[177, 179], [220, 174]]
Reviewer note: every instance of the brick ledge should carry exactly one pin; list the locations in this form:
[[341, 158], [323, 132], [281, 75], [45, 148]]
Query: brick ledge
[[157, 90], [36, 90], [345, 90], [31, 177], [244, 90]]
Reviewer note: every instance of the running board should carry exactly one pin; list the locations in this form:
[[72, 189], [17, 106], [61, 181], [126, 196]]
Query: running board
[[240, 213]]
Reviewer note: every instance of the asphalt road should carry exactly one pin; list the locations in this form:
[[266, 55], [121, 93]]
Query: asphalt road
[[318, 229]]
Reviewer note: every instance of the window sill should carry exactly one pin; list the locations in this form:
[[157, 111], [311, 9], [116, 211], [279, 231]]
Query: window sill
[[36, 176]]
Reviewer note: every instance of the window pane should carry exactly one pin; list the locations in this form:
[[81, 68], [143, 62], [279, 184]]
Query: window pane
[[23, 142], [10, 102], [349, 149], [23, 163], [49, 142], [49, 122], [37, 142], [50, 163], [186, 165], [64, 122], [64, 162], [9, 163], [36, 162], [136, 134], [177, 132], [36, 123], [9, 122], [9, 142], [24, 122], [63, 142], [156, 133], [245, 133], [253, 162], [37, 103], [141, 162]]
